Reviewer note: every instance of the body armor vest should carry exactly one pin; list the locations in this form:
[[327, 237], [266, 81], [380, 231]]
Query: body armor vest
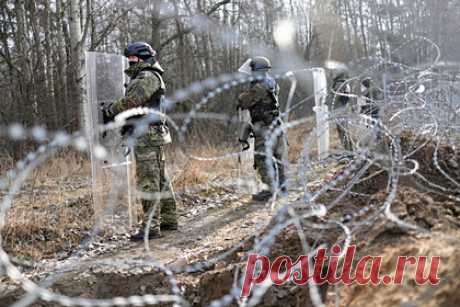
[[157, 97], [267, 112], [155, 102]]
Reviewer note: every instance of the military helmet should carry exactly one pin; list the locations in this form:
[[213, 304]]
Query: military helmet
[[141, 50], [341, 75], [366, 81], [260, 63]]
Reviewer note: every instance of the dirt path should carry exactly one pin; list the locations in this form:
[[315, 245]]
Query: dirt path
[[211, 222], [214, 228]]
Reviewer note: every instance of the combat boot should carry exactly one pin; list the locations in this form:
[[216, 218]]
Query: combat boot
[[283, 192], [139, 236], [172, 226], [263, 195]]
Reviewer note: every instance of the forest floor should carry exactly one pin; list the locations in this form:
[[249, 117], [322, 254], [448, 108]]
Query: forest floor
[[218, 226]]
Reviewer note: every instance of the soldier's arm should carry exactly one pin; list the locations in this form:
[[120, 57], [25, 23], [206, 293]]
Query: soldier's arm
[[375, 94], [247, 99], [138, 93]]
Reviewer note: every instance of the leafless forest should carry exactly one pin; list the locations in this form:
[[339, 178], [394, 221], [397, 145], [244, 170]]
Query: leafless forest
[[43, 42]]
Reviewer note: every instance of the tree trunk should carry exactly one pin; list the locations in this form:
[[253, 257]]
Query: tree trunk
[[363, 29], [25, 102], [76, 61], [38, 83], [61, 78], [51, 108], [156, 23]]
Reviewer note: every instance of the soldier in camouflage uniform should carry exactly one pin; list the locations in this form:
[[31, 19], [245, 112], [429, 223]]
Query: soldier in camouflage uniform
[[262, 102], [372, 97], [146, 89], [339, 87]]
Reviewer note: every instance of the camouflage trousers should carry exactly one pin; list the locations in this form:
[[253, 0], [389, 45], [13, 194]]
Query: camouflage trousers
[[152, 178], [270, 170], [344, 136]]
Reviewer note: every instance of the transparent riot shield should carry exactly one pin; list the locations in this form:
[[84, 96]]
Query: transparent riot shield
[[112, 177]]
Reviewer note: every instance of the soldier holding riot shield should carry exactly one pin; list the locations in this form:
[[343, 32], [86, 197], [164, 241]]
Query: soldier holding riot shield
[[262, 102], [146, 89], [341, 96]]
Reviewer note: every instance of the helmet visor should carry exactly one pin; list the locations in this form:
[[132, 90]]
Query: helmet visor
[[246, 67]]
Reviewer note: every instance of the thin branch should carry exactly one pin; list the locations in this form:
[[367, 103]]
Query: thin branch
[[188, 30], [110, 27]]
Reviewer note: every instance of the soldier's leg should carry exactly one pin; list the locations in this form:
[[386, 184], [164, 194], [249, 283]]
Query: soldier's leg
[[349, 143], [341, 133], [375, 115], [260, 164], [148, 178], [260, 161], [344, 137], [272, 172], [280, 150], [168, 200]]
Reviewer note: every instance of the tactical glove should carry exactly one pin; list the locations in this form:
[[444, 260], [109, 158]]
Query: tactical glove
[[107, 112]]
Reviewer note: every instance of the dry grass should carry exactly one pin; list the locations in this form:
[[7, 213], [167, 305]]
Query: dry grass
[[186, 172], [299, 135], [297, 138], [39, 231], [6, 163], [54, 210], [67, 164]]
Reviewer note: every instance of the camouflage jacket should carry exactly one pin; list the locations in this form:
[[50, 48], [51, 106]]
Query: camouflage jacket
[[145, 89], [261, 100], [144, 84], [340, 87], [372, 97], [372, 94]]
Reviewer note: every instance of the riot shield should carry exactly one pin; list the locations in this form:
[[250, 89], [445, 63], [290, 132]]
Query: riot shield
[[113, 176]]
